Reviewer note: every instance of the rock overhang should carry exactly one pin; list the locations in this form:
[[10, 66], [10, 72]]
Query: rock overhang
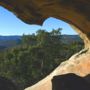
[[75, 12], [36, 11]]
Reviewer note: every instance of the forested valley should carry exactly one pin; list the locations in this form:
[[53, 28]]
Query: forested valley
[[36, 56]]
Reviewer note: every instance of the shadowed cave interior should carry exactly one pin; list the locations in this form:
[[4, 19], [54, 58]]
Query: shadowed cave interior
[[70, 82]]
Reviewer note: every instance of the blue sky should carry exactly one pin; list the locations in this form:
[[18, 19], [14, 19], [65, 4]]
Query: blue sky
[[11, 25]]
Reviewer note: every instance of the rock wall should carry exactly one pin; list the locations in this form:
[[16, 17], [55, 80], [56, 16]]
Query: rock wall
[[75, 12]]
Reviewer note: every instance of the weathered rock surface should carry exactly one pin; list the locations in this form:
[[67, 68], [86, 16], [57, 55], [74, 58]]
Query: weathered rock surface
[[75, 12]]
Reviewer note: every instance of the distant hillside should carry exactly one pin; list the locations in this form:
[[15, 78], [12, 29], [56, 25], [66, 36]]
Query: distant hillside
[[71, 38], [11, 41], [7, 38]]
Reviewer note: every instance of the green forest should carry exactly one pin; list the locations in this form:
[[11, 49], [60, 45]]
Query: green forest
[[36, 56]]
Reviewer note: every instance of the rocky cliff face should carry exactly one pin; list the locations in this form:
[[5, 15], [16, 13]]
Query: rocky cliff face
[[75, 12]]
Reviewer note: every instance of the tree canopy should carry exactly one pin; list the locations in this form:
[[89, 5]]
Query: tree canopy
[[36, 56]]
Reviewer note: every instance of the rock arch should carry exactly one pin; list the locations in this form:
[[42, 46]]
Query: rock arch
[[75, 12]]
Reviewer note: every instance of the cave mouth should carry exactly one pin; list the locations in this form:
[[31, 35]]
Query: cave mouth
[[19, 56]]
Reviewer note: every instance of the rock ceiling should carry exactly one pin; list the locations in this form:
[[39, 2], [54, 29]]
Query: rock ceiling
[[76, 12]]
